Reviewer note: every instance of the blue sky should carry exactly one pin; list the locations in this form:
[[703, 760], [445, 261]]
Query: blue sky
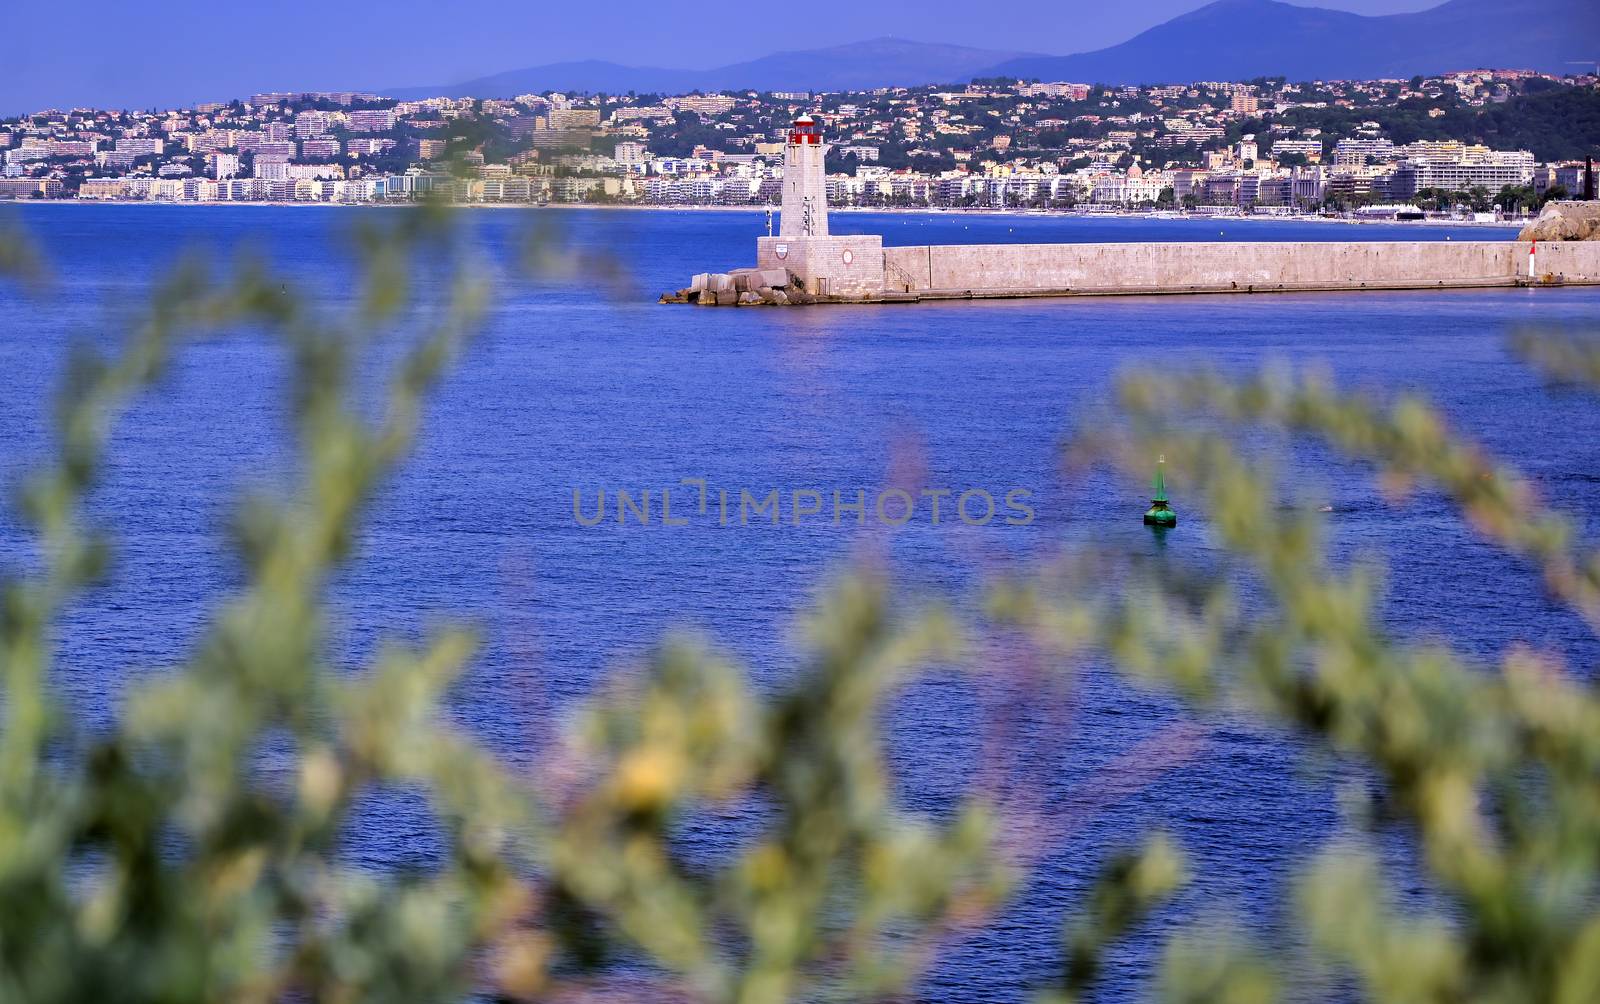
[[173, 52]]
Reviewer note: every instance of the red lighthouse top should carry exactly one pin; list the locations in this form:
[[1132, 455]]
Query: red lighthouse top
[[805, 130]]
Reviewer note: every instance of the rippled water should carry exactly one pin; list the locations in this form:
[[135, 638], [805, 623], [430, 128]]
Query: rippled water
[[571, 390]]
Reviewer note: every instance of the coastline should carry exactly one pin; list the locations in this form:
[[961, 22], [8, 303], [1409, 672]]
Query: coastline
[[1166, 216]]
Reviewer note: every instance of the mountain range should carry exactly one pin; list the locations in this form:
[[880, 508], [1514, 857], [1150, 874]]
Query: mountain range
[[878, 62], [1243, 39], [1224, 40]]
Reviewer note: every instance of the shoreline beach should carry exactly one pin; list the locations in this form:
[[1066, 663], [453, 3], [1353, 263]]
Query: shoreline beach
[[1165, 215]]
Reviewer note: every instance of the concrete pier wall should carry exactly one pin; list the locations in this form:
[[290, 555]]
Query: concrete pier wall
[[827, 266], [1571, 261], [1021, 269], [859, 269]]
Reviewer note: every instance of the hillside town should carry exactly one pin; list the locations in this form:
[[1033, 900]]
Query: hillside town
[[1479, 143]]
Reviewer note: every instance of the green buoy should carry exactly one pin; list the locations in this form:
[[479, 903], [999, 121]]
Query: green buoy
[[1159, 513]]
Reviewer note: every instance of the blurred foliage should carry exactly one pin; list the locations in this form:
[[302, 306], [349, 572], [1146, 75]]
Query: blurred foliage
[[191, 850], [171, 858], [18, 260], [837, 883], [1570, 360], [1131, 884], [1495, 775]]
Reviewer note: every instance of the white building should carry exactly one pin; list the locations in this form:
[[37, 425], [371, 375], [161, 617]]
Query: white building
[[223, 165], [1129, 189], [141, 146], [1310, 149], [632, 155]]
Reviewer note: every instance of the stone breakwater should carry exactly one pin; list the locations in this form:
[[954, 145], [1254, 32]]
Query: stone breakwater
[[1564, 221], [844, 270], [743, 287]]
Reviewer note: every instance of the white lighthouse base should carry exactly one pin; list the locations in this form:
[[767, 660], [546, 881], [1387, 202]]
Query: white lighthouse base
[[827, 266]]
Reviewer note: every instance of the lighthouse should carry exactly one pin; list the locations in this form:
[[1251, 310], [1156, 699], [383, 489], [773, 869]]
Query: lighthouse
[[846, 267], [805, 184]]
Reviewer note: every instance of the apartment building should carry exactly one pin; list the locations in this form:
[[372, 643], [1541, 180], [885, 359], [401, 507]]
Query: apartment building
[[372, 120], [310, 125]]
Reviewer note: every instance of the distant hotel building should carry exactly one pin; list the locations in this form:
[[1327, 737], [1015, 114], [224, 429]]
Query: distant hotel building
[[642, 113], [1310, 149], [705, 104], [372, 120], [30, 188], [1196, 134], [345, 98], [223, 165], [1071, 92], [141, 146], [310, 125], [358, 147], [574, 118], [1491, 170], [103, 188], [1356, 152]]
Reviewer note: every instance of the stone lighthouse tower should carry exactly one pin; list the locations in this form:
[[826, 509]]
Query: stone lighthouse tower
[[805, 184], [849, 267]]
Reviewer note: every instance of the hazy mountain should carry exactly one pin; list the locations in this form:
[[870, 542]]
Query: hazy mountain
[[878, 62], [1225, 40], [1242, 39], [592, 75]]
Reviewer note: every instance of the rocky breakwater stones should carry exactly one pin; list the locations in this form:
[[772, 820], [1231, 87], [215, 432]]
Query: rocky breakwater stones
[[1564, 221], [743, 287]]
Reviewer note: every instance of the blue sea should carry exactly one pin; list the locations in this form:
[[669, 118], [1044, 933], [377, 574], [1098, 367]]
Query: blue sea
[[580, 385]]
